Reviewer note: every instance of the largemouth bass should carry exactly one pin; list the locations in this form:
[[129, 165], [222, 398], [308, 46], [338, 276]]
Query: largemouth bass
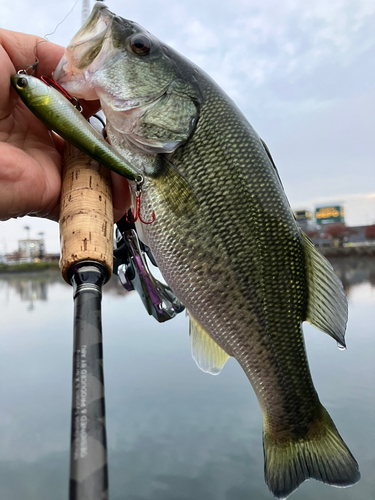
[[224, 235]]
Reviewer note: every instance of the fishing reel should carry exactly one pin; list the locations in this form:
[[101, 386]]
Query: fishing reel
[[130, 264]]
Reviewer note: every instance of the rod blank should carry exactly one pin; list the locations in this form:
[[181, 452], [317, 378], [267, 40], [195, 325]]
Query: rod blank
[[88, 460]]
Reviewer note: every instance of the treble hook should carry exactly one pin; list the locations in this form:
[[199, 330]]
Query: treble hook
[[137, 215], [51, 82]]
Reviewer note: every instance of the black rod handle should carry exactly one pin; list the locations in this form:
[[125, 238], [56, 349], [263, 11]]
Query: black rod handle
[[88, 452]]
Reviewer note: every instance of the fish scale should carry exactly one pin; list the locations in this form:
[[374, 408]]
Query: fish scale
[[224, 237], [221, 204]]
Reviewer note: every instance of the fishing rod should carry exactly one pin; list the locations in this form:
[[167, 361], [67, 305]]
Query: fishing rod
[[86, 235]]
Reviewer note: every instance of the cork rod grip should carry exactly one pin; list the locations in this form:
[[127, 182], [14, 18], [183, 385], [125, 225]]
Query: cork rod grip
[[86, 213]]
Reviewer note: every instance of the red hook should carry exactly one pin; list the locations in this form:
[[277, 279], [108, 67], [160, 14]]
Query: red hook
[[49, 80], [137, 215]]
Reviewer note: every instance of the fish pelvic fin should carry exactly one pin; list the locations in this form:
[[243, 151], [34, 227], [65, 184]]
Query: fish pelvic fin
[[327, 307], [321, 455], [209, 357]]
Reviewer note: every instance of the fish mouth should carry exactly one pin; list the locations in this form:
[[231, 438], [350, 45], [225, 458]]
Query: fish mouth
[[85, 54], [98, 21]]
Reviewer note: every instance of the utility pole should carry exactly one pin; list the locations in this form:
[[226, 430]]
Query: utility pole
[[41, 245], [27, 229]]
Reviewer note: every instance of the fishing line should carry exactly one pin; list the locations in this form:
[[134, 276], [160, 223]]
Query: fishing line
[[68, 14], [35, 65]]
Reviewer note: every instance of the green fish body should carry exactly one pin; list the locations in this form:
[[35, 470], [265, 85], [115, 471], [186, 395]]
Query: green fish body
[[224, 236]]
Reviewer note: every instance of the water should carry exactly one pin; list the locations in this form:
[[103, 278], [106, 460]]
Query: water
[[174, 433]]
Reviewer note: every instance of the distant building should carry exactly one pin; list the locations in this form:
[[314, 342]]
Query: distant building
[[330, 215], [305, 219], [31, 249]]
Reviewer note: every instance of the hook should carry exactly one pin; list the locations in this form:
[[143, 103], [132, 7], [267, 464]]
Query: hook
[[137, 215], [51, 82]]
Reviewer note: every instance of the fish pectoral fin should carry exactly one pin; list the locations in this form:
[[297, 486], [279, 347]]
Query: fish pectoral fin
[[327, 307], [175, 190], [321, 454], [209, 357]]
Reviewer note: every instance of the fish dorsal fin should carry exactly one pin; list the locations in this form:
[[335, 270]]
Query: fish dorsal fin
[[209, 357], [327, 307]]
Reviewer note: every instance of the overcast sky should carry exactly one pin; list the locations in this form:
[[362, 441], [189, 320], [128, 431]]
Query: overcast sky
[[303, 74]]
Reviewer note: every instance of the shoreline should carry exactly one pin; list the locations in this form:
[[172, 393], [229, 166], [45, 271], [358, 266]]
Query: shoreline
[[357, 251], [29, 267], [329, 252]]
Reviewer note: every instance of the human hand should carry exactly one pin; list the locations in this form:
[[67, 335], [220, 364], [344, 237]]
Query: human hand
[[30, 155]]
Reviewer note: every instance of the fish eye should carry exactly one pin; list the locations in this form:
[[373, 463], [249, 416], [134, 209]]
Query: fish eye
[[22, 83], [140, 44]]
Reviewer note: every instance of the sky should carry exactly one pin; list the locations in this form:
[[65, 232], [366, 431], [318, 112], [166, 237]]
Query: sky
[[301, 72]]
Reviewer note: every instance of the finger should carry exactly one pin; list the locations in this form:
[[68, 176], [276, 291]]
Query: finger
[[17, 52], [22, 48], [8, 98], [29, 183]]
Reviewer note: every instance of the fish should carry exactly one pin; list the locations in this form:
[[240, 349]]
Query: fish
[[58, 114], [224, 235]]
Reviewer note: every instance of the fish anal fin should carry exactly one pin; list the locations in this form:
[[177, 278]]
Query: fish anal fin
[[327, 307], [208, 356], [322, 455]]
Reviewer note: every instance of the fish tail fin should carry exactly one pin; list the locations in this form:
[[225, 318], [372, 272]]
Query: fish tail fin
[[321, 455]]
